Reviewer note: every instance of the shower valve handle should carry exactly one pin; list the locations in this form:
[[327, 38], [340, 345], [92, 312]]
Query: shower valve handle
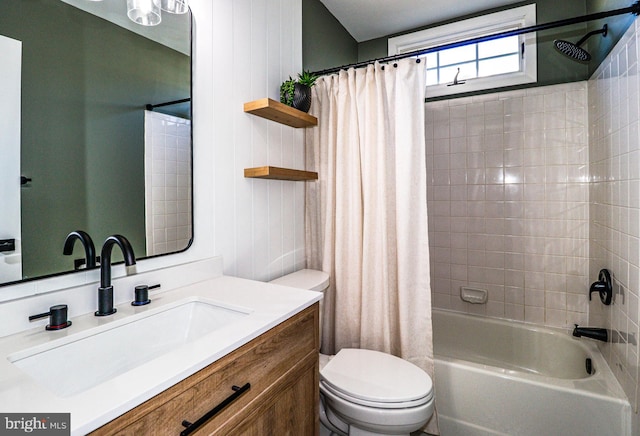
[[603, 287]]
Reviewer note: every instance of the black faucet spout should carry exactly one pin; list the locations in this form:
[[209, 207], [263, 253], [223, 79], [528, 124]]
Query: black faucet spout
[[105, 291], [105, 257], [599, 334], [87, 243]]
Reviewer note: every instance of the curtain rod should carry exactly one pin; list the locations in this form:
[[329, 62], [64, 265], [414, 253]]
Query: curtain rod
[[150, 107], [634, 9]]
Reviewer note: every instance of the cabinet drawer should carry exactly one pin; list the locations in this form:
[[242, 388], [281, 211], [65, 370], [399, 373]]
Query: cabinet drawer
[[260, 362], [288, 408]]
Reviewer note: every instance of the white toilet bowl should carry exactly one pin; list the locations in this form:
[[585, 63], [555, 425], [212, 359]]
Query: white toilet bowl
[[375, 393], [365, 392]]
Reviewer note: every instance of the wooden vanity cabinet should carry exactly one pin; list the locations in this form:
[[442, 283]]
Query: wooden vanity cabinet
[[281, 366]]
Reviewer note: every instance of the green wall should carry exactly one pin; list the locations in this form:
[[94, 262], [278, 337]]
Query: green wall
[[598, 46], [85, 85], [325, 43], [552, 67]]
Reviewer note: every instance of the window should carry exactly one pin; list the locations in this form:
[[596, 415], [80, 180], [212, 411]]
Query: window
[[485, 65]]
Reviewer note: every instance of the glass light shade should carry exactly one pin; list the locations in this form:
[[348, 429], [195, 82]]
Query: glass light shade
[[144, 12], [175, 6]]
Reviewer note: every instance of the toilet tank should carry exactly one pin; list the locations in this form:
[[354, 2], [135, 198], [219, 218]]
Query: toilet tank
[[310, 279], [305, 279]]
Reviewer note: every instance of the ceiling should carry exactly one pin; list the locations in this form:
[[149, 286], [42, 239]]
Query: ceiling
[[369, 19]]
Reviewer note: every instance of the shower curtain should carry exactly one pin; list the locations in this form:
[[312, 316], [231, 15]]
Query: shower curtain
[[366, 217]]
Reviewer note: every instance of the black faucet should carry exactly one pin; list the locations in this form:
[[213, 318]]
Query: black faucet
[[604, 287], [87, 243], [57, 317], [591, 332], [105, 291]]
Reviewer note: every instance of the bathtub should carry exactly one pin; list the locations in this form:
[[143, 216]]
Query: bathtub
[[496, 377]]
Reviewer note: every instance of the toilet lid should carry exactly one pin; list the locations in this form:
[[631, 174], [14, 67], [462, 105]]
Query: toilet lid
[[305, 279], [376, 377]]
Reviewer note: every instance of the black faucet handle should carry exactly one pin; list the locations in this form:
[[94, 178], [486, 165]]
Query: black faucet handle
[[603, 287], [141, 294], [596, 287], [57, 317]]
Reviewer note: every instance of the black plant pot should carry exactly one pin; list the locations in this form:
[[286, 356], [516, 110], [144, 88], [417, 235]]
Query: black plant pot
[[301, 97]]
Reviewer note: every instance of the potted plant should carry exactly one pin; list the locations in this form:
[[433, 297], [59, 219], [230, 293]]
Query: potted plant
[[297, 92]]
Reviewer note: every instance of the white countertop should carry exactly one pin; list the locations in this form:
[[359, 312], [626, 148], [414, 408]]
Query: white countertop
[[268, 305]]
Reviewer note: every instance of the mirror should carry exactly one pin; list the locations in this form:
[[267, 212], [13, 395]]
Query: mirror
[[82, 130]]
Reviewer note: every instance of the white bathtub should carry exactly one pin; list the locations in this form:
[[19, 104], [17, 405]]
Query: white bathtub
[[496, 377]]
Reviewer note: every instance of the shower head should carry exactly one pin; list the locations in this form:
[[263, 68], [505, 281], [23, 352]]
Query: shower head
[[574, 51]]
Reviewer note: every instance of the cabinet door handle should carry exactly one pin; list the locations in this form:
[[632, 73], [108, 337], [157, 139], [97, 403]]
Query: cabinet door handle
[[191, 427]]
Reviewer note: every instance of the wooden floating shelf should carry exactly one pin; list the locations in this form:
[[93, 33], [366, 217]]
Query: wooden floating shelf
[[280, 174], [281, 113]]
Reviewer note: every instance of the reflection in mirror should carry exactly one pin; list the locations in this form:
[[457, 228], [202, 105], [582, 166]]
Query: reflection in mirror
[[98, 161], [10, 258]]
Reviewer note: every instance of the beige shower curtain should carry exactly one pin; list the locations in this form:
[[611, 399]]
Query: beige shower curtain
[[366, 217]]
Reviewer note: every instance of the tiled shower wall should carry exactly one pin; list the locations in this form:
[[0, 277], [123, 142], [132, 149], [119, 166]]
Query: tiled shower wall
[[167, 161], [508, 203], [614, 155]]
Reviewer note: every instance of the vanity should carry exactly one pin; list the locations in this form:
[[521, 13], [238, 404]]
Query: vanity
[[250, 346], [279, 370]]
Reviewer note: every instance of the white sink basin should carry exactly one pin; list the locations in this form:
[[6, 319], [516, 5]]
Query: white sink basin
[[92, 357]]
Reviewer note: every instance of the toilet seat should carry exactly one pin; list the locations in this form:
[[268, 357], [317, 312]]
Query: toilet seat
[[326, 388], [374, 379]]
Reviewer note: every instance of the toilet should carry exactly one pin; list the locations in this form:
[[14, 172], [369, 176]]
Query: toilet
[[366, 392]]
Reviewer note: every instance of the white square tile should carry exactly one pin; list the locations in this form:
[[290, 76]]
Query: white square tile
[[535, 315], [533, 103], [514, 105]]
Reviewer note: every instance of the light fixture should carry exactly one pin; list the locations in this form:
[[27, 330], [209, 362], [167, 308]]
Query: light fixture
[[144, 12], [175, 6], [148, 12]]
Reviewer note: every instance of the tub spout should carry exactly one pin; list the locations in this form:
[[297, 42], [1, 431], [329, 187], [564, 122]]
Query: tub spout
[[591, 332]]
